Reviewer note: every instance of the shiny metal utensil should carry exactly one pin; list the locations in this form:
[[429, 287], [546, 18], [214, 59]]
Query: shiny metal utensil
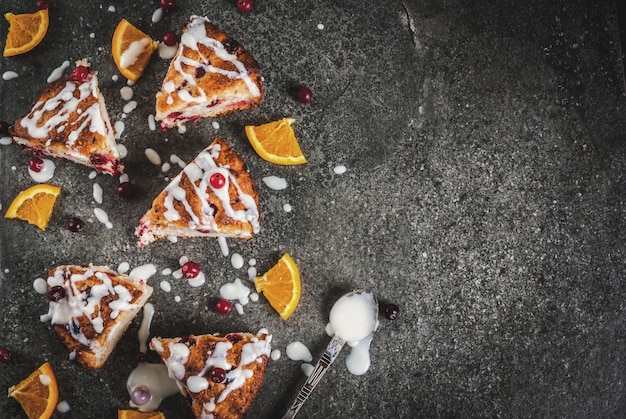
[[331, 352]]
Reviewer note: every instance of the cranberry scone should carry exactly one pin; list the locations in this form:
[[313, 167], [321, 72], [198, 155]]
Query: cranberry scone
[[70, 120], [221, 374], [90, 309], [210, 75], [213, 196]]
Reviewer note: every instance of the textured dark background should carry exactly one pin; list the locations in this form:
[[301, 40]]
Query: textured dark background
[[484, 195]]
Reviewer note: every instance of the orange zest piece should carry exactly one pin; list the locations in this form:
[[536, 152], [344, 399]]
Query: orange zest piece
[[34, 204], [136, 414], [281, 286], [38, 393], [25, 32], [131, 49], [276, 142]]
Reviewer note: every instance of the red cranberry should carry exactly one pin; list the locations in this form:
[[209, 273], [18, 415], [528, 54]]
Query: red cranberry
[[35, 164], [391, 311], [244, 6], [125, 190], [217, 375], [167, 5], [223, 306], [75, 225], [43, 4], [4, 128], [97, 160], [305, 95], [56, 293], [200, 71], [170, 39], [80, 73], [217, 180], [191, 270], [6, 355]]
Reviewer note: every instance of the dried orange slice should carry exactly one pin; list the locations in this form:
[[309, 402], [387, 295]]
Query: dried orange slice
[[136, 414], [25, 31], [276, 142], [38, 393], [281, 286], [34, 204], [131, 49]]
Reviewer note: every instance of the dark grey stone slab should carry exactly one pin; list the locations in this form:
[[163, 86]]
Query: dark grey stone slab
[[484, 194]]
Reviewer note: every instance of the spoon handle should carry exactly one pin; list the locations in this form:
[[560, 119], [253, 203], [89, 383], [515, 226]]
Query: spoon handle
[[330, 353]]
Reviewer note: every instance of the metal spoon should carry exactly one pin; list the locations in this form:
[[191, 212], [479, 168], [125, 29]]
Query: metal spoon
[[330, 353]]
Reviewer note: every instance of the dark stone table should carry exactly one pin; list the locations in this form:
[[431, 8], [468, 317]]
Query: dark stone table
[[484, 194]]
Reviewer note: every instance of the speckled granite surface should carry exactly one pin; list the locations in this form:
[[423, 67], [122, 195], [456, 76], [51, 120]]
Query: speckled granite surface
[[484, 194]]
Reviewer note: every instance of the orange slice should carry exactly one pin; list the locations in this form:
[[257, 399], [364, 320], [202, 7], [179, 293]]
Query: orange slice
[[276, 142], [38, 393], [136, 414], [34, 204], [25, 32], [281, 286], [131, 49]]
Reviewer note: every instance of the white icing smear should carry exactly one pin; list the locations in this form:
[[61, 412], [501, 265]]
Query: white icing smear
[[157, 15], [57, 73], [153, 156], [296, 351], [236, 291], [154, 378], [144, 329], [40, 285], [275, 182], [103, 217], [130, 55], [143, 272], [9, 75], [236, 260], [97, 193], [45, 174], [358, 360]]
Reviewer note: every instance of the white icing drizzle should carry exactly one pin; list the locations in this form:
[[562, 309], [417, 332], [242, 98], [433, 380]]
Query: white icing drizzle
[[66, 103], [194, 36], [199, 173], [86, 304]]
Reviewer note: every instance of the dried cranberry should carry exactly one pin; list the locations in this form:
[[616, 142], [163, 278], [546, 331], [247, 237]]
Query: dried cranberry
[[190, 270], [244, 6], [35, 164], [223, 306], [304, 95], [56, 293], [234, 337], [125, 190], [97, 160], [217, 375], [230, 45], [200, 71], [6, 354], [80, 73], [170, 39], [167, 5], [43, 4], [391, 311], [217, 180], [4, 128], [75, 225]]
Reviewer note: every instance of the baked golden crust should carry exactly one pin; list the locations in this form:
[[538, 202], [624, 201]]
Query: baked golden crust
[[97, 307], [211, 75], [69, 120], [189, 206], [226, 399]]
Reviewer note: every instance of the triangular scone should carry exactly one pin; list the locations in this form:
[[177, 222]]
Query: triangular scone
[[91, 307], [213, 196], [211, 75], [70, 120], [198, 363]]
